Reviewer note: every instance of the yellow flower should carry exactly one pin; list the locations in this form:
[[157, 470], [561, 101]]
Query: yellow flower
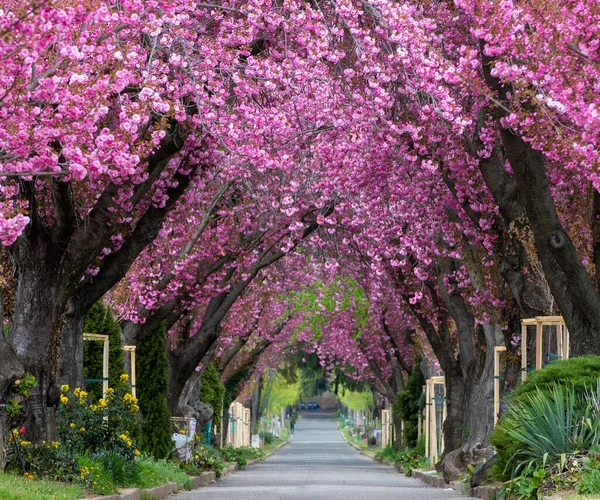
[[25, 443], [123, 437], [71, 425], [94, 407], [82, 429], [77, 391], [83, 395], [64, 399], [124, 377], [64, 388], [102, 403], [136, 453], [110, 391], [55, 444]]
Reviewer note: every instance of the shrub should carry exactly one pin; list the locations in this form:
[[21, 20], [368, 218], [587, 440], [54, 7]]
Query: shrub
[[407, 405], [84, 426], [100, 320], [241, 455], [46, 461], [408, 459], [212, 392], [579, 375], [152, 387], [208, 458]]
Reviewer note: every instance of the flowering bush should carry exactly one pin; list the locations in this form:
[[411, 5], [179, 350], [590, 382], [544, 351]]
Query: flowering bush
[[91, 427]]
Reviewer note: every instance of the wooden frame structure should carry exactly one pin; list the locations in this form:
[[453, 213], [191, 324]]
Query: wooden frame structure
[[497, 379], [562, 340], [386, 428], [131, 350], [432, 451], [105, 352]]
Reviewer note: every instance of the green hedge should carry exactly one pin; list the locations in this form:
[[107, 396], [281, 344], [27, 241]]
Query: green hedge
[[152, 387], [407, 405], [100, 320], [212, 392]]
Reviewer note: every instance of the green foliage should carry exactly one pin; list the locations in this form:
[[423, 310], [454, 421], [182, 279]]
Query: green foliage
[[409, 458], [278, 393], [241, 455], [355, 400], [20, 390], [206, 458], [578, 375], [232, 387], [95, 477], [107, 425], [589, 479], [23, 488], [319, 302], [100, 320], [408, 405], [528, 486], [45, 461], [212, 392], [152, 387]]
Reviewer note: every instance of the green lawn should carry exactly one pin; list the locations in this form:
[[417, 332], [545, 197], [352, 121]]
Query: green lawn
[[14, 487]]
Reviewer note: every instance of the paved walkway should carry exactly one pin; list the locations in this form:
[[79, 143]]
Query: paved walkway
[[317, 465]]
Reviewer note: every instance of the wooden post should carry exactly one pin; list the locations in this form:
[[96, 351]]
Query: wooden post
[[105, 354], [497, 351], [539, 338], [427, 427], [523, 350], [131, 350]]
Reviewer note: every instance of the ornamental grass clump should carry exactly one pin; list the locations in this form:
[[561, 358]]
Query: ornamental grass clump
[[550, 440]]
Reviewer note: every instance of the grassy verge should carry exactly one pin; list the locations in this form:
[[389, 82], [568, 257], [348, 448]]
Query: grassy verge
[[361, 443], [285, 435], [13, 487]]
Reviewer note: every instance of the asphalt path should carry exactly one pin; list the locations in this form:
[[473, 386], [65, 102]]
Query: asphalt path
[[317, 465]]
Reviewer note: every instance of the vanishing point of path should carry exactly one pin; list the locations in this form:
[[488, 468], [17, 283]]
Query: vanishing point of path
[[317, 465]]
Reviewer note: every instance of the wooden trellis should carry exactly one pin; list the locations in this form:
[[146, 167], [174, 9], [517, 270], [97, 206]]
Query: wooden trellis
[[105, 352], [434, 446], [497, 379], [131, 350], [386, 428], [541, 323]]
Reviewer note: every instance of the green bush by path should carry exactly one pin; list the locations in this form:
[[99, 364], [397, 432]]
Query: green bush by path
[[408, 459], [152, 386], [100, 320], [579, 374], [408, 405], [212, 392]]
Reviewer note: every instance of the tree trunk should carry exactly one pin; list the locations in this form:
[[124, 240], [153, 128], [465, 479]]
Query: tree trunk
[[35, 339], [71, 350], [255, 407], [572, 287]]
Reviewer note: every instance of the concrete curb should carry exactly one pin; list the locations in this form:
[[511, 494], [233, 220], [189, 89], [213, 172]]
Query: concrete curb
[[432, 479]]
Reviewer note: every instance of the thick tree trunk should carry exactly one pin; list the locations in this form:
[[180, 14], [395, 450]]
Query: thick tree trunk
[[35, 338], [71, 352], [572, 287], [255, 407]]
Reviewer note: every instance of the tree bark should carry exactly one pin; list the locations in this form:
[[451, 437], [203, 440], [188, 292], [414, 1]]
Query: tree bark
[[572, 287]]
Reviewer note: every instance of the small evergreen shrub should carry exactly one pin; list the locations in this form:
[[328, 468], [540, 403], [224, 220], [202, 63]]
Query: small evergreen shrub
[[212, 392], [407, 405], [152, 386], [100, 320]]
